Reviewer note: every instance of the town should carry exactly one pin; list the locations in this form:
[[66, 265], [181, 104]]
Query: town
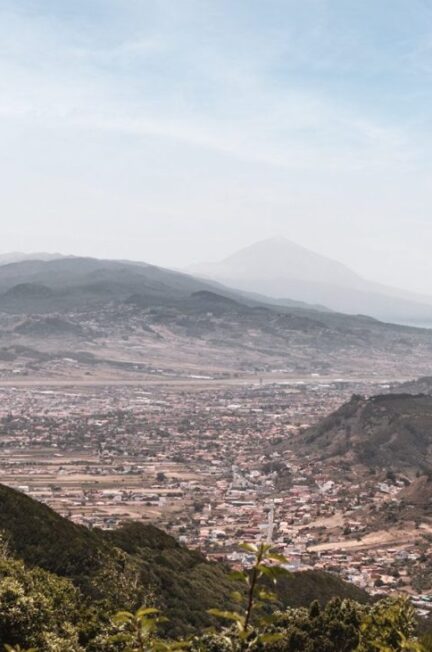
[[212, 465]]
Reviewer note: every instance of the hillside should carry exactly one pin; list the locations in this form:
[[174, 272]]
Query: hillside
[[79, 283], [77, 317], [383, 432], [279, 268], [418, 493], [422, 385], [121, 567], [116, 567]]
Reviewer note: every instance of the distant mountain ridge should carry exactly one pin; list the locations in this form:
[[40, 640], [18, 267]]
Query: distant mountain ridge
[[69, 282], [279, 268], [25, 276], [19, 256], [274, 272]]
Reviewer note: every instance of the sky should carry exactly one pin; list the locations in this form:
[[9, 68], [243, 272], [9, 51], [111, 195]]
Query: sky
[[177, 131]]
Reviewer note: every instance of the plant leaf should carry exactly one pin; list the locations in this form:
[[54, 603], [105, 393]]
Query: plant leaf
[[228, 615], [238, 576], [146, 611], [275, 556], [122, 617], [237, 596]]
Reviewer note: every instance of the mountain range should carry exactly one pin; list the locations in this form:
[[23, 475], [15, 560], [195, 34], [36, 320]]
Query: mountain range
[[132, 318], [282, 269], [281, 272]]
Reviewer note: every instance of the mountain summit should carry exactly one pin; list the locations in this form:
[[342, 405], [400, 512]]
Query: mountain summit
[[277, 259], [282, 269]]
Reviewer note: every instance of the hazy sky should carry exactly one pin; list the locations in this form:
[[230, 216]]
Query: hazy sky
[[175, 131]]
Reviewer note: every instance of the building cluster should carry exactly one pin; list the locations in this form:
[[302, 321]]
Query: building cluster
[[214, 467]]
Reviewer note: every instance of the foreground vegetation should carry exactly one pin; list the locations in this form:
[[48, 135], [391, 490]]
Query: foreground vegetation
[[41, 612], [62, 585]]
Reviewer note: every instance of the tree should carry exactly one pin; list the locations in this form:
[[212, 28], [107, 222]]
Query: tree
[[37, 609], [389, 625]]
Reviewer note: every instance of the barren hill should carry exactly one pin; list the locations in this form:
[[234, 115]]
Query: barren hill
[[389, 432], [422, 385], [418, 493]]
